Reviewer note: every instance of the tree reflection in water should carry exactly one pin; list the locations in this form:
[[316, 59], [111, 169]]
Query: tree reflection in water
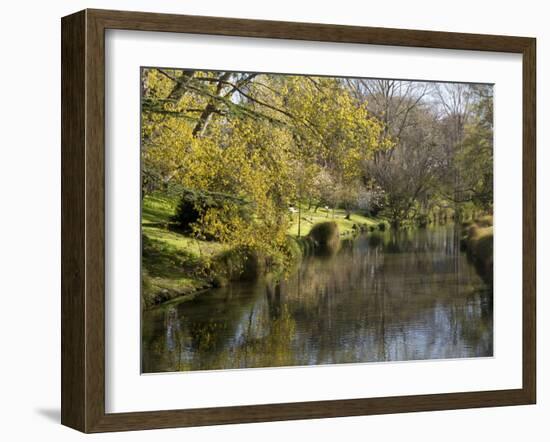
[[391, 296]]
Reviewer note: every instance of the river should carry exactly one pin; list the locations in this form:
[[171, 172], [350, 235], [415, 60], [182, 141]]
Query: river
[[385, 296]]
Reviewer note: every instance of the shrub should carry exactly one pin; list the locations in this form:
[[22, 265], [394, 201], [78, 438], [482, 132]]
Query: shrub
[[300, 247], [479, 248], [194, 203], [238, 264], [382, 226], [422, 220], [466, 224], [326, 237], [485, 221]]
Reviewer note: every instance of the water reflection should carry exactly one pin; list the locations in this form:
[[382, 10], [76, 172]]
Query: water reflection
[[390, 296]]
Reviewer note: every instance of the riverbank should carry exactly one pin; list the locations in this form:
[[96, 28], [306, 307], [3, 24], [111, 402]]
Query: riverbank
[[477, 240], [175, 265]]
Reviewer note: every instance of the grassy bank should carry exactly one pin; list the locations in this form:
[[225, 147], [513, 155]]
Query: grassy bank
[[176, 265], [310, 217], [171, 262], [168, 272]]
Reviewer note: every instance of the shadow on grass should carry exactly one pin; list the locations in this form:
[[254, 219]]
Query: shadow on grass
[[157, 209], [165, 261]]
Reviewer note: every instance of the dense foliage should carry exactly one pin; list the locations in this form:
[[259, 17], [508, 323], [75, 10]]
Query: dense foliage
[[194, 204], [252, 149], [272, 141]]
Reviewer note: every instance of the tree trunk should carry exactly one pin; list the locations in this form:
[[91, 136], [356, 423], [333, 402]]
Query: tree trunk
[[299, 219], [210, 108]]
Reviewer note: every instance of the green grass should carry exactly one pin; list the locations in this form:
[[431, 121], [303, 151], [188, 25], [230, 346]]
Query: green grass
[[168, 271], [171, 261], [158, 208], [157, 211], [309, 218], [179, 241]]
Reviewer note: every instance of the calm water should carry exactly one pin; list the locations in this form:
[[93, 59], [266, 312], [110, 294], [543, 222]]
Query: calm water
[[384, 297]]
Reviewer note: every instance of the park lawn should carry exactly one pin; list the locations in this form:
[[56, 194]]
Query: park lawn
[[170, 259], [309, 218], [171, 264], [178, 241], [167, 272], [157, 209]]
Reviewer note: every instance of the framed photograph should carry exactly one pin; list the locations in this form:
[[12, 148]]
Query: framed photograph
[[268, 220]]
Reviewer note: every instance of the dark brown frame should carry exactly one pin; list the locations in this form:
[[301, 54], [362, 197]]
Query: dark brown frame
[[83, 215]]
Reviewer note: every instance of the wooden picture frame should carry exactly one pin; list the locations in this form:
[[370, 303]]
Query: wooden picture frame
[[83, 219]]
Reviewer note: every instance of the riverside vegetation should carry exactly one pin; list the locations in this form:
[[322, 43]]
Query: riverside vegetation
[[177, 265], [477, 240], [245, 173]]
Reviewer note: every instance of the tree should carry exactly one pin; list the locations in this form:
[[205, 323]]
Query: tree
[[281, 140], [391, 101], [467, 124], [340, 132], [475, 156], [412, 171]]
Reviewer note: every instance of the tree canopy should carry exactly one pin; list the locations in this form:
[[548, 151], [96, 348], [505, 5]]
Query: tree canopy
[[277, 141]]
